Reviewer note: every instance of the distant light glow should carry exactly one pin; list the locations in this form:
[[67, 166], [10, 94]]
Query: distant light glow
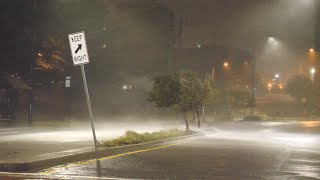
[[273, 43], [126, 87], [226, 64], [271, 39], [311, 124], [313, 70], [280, 86]]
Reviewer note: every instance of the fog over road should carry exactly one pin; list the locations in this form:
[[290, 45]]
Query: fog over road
[[257, 150], [234, 150]]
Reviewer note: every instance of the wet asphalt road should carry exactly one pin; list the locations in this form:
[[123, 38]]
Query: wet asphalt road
[[235, 151], [270, 151]]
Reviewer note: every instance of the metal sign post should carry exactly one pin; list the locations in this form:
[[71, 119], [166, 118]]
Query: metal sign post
[[80, 57], [89, 105]]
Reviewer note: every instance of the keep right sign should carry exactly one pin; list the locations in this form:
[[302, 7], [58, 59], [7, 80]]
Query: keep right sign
[[78, 48]]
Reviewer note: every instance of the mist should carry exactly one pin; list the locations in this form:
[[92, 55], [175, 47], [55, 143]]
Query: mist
[[247, 24]]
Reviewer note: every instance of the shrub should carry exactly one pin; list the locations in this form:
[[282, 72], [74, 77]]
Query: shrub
[[132, 137]]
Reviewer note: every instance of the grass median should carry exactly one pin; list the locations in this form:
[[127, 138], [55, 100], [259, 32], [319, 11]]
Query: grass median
[[132, 137]]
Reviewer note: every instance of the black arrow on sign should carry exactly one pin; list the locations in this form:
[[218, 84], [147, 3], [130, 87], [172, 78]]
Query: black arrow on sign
[[79, 48]]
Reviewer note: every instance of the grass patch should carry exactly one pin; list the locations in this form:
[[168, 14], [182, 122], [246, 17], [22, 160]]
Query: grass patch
[[132, 137]]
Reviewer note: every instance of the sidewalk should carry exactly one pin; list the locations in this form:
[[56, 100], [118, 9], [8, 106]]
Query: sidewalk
[[20, 146], [28, 149]]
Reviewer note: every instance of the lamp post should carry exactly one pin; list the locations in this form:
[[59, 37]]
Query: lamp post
[[33, 51], [226, 67], [312, 56], [253, 83]]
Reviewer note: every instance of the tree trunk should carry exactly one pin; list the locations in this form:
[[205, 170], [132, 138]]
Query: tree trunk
[[197, 111], [203, 114], [215, 112], [232, 113], [194, 116], [185, 118]]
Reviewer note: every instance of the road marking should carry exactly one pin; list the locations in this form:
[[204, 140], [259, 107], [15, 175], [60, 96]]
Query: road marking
[[50, 171], [35, 175]]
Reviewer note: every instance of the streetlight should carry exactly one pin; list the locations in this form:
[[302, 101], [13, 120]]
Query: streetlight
[[311, 50], [277, 76], [312, 73], [269, 86], [225, 67], [271, 39], [226, 64], [312, 54], [273, 44], [313, 70]]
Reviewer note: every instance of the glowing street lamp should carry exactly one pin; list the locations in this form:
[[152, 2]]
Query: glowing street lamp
[[312, 73], [269, 86], [271, 39], [312, 54], [225, 64], [277, 76], [273, 44]]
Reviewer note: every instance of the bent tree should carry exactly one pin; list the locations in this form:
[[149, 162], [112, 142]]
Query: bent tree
[[183, 90], [166, 92]]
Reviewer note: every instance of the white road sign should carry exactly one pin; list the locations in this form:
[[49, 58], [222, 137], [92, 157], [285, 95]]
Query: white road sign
[[78, 48]]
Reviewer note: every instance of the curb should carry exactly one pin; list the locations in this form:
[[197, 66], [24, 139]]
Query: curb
[[50, 162]]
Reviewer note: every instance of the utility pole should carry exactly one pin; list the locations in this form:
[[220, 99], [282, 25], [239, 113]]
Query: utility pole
[[175, 42], [30, 107], [253, 83], [33, 46], [180, 32]]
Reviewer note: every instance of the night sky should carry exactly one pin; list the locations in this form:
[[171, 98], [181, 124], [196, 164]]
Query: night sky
[[246, 24]]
